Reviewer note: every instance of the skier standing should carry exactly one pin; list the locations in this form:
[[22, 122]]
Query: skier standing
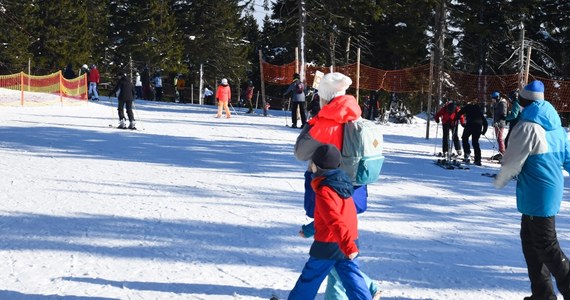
[[448, 123], [157, 80], [499, 123], [126, 96], [297, 90], [138, 86], [93, 82], [223, 95], [475, 125]]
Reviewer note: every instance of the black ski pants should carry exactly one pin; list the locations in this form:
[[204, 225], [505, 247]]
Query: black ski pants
[[445, 140], [121, 109], [472, 130], [544, 257], [301, 106]]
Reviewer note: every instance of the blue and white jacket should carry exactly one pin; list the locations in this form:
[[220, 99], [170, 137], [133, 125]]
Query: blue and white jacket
[[538, 150]]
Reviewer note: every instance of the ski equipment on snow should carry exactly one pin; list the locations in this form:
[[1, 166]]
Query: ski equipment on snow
[[450, 164]]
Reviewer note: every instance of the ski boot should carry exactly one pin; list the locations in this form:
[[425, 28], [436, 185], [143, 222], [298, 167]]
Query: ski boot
[[132, 125], [122, 124]]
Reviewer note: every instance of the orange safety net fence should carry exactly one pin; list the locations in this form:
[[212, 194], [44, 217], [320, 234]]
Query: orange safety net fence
[[456, 85], [23, 89]]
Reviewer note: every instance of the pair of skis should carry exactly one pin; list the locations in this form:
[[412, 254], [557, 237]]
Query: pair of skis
[[451, 164]]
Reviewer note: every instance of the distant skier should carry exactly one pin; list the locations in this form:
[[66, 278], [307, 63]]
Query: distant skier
[[68, 73], [514, 115], [126, 96], [499, 123], [157, 81], [248, 95], [93, 82], [297, 91], [447, 116], [224, 96], [138, 85]]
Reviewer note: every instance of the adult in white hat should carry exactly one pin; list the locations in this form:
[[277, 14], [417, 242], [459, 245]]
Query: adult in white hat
[[223, 95], [327, 127]]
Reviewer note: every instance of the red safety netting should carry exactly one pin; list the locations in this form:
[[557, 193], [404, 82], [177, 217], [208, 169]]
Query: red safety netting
[[456, 85], [23, 89]]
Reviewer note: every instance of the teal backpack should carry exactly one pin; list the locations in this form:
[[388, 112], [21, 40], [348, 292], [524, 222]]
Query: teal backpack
[[362, 148]]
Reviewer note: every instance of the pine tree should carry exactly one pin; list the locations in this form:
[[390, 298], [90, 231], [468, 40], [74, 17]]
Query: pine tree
[[15, 37], [62, 34]]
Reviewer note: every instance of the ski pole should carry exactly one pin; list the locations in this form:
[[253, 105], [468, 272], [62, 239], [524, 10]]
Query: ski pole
[[137, 116], [435, 143], [235, 112]]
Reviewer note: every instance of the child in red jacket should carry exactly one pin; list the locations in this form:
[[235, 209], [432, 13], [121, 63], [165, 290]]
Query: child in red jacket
[[336, 230]]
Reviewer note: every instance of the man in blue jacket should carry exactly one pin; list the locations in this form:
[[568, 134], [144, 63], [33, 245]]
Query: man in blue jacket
[[538, 150]]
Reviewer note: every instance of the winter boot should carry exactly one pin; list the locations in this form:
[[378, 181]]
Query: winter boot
[[122, 124], [132, 125]]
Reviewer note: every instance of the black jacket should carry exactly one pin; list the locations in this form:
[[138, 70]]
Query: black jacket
[[473, 114], [127, 89]]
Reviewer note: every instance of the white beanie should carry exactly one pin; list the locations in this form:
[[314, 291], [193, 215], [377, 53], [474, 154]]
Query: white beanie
[[224, 81], [333, 85]]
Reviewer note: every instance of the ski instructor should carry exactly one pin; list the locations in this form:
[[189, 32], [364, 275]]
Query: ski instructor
[[538, 150]]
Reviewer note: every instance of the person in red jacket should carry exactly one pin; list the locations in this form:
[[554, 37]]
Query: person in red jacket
[[223, 95], [336, 230], [447, 116], [93, 82]]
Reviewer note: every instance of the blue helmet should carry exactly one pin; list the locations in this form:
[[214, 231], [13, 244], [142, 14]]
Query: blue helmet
[[495, 94]]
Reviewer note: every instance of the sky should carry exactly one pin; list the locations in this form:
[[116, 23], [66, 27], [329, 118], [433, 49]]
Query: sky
[[195, 207]]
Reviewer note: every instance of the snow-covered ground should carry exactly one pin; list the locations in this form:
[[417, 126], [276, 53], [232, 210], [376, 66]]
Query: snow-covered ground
[[194, 207]]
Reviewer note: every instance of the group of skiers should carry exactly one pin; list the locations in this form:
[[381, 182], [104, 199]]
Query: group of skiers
[[471, 117]]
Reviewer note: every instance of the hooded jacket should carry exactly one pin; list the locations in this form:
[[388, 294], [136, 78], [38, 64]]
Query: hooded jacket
[[538, 149], [336, 224], [223, 93], [327, 126]]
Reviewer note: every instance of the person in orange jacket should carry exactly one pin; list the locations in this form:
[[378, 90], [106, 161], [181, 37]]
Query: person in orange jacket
[[447, 115], [223, 95]]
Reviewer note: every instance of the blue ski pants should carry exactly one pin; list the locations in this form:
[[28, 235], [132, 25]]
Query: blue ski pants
[[316, 270]]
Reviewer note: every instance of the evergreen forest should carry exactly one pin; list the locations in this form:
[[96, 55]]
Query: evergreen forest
[[224, 38]]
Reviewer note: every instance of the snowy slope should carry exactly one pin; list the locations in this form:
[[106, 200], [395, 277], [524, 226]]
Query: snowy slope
[[194, 207]]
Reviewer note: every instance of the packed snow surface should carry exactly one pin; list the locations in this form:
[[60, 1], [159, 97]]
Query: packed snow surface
[[194, 207]]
